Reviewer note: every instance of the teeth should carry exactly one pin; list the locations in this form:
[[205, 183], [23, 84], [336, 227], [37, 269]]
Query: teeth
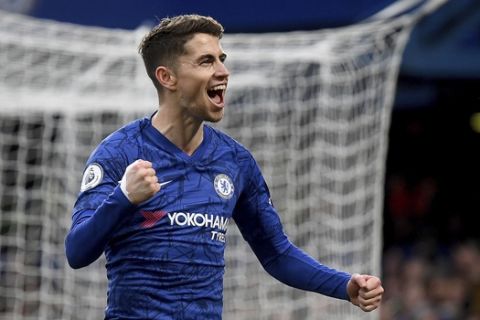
[[219, 87]]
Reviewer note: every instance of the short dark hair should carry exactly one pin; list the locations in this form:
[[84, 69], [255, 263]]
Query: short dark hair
[[165, 42]]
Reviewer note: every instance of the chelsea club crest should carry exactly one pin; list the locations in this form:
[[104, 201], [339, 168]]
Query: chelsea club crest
[[224, 186]]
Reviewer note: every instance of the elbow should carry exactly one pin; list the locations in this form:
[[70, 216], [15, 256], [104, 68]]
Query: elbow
[[75, 264], [74, 258], [83, 245], [74, 261]]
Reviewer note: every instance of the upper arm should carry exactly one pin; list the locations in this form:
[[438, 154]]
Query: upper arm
[[103, 171], [257, 219]]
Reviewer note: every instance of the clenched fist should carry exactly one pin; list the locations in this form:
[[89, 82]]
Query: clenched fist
[[365, 291], [140, 182]]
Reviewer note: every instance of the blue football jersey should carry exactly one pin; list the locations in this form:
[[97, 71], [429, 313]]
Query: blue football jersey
[[165, 257]]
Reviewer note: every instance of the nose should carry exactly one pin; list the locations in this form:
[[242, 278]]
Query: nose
[[222, 70]]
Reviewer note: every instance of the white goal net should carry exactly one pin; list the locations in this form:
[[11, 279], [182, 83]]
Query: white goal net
[[313, 107]]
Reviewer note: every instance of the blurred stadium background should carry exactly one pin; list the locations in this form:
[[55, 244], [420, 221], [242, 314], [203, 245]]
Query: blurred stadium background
[[431, 256]]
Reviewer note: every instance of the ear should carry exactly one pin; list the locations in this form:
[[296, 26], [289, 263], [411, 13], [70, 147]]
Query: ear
[[166, 78]]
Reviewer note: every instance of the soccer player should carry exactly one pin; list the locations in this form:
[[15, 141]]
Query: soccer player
[[157, 195]]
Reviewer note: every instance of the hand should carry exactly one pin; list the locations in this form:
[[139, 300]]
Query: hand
[[365, 291], [140, 182]]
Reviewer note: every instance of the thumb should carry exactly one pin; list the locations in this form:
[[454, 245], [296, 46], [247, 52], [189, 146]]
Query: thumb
[[359, 280], [354, 285], [372, 283]]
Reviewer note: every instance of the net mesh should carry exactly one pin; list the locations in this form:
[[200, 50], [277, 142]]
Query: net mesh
[[313, 107]]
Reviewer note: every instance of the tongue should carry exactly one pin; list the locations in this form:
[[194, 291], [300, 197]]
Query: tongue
[[217, 98]]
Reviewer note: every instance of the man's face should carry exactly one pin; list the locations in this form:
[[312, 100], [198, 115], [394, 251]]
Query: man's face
[[202, 78]]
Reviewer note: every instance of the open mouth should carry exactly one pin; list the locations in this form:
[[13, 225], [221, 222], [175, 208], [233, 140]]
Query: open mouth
[[217, 93]]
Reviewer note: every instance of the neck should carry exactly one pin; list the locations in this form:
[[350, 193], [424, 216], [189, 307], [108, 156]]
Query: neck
[[185, 133]]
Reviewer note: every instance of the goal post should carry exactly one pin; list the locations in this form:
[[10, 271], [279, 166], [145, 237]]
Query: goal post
[[313, 107]]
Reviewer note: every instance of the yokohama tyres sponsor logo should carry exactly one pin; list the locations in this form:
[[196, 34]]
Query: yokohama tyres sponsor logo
[[201, 220]]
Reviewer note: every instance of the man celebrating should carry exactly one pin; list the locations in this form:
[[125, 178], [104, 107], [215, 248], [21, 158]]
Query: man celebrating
[[157, 195]]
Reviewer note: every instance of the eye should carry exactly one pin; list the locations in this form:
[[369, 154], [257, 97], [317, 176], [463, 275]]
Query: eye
[[207, 61]]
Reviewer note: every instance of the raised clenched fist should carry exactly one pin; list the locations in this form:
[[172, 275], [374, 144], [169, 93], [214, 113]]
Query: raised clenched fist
[[140, 182], [365, 291]]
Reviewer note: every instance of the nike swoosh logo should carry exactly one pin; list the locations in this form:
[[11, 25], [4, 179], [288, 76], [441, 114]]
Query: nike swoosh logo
[[161, 184], [164, 183]]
